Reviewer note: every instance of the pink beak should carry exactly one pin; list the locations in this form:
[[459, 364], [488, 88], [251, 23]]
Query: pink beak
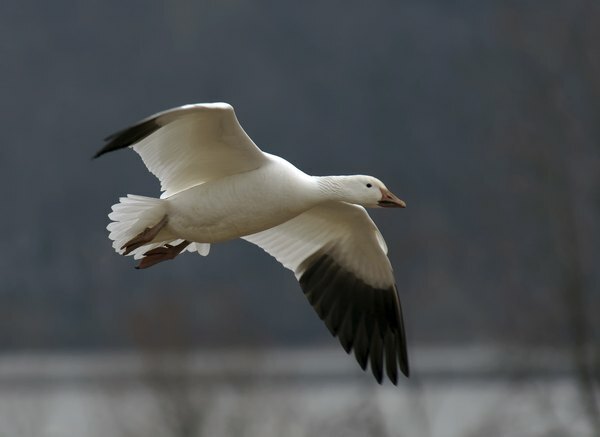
[[389, 200]]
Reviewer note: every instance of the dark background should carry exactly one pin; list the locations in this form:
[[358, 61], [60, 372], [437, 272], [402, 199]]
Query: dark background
[[483, 116]]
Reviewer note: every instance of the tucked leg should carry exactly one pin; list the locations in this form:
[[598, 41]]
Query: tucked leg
[[144, 237], [160, 254]]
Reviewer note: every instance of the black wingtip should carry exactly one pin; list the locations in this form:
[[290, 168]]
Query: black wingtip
[[111, 146], [99, 153], [378, 375], [404, 360], [129, 136], [405, 370], [367, 320]]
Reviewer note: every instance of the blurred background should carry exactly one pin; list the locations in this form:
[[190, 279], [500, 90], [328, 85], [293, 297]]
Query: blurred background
[[483, 116]]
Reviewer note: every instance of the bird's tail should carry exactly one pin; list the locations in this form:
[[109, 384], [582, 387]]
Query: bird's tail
[[131, 216]]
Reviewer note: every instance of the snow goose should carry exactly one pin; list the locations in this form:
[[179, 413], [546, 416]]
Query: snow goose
[[218, 185]]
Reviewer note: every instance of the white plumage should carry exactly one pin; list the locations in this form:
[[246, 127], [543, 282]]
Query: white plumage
[[218, 185]]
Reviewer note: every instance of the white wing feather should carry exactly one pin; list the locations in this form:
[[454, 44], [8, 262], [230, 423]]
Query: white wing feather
[[193, 144], [341, 229]]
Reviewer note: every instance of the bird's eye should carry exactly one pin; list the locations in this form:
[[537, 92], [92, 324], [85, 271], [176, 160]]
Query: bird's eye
[[369, 185]]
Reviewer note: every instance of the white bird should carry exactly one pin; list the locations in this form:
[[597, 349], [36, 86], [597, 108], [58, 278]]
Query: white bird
[[218, 185]]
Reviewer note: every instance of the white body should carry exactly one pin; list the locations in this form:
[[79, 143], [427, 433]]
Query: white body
[[210, 212]]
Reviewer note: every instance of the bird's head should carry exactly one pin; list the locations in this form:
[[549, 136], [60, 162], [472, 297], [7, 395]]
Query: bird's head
[[370, 192]]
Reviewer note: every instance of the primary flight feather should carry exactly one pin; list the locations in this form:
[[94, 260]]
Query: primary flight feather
[[218, 185]]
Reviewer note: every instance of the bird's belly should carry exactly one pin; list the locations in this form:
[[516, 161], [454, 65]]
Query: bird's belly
[[207, 214]]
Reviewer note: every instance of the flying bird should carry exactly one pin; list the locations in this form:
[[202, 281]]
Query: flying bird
[[217, 185]]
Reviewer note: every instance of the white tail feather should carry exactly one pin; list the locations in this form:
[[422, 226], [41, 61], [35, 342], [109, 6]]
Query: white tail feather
[[201, 248], [130, 217], [134, 214]]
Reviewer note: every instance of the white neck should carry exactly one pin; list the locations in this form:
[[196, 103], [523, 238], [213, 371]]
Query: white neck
[[332, 187]]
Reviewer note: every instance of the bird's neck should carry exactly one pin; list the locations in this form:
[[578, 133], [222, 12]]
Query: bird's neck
[[332, 187]]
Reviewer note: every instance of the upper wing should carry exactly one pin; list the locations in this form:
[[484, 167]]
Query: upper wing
[[190, 145], [339, 258]]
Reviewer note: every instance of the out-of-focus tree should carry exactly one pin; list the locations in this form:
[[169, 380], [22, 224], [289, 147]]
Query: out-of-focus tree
[[555, 134], [180, 401]]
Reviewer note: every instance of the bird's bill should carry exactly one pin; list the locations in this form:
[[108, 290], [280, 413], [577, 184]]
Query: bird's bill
[[389, 200]]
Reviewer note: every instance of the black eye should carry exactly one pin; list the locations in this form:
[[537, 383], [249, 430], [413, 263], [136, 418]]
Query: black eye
[[369, 185]]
